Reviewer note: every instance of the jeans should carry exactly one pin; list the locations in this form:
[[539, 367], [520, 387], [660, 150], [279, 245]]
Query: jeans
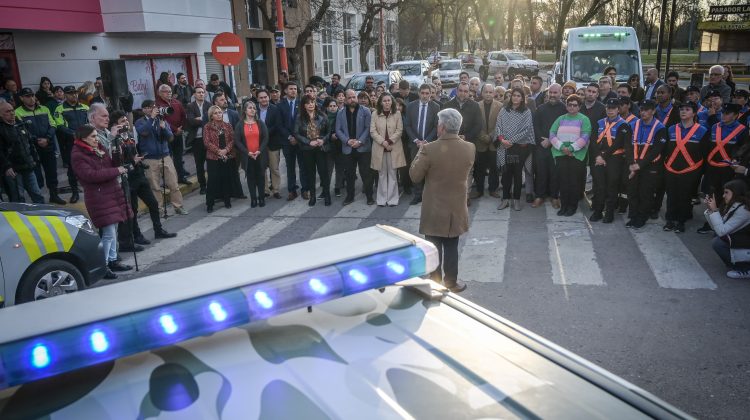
[[722, 249], [109, 241], [25, 180]]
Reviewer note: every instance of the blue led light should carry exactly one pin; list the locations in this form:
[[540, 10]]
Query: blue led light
[[318, 286], [99, 342], [358, 276], [217, 311], [396, 267], [40, 356], [167, 324], [263, 299]]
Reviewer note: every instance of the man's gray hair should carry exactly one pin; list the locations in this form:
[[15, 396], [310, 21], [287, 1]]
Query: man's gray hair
[[717, 69], [478, 80], [488, 85], [93, 109], [164, 87], [451, 120]]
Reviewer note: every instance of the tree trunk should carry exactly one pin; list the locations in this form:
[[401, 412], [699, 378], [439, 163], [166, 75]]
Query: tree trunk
[[532, 28], [485, 46], [564, 10], [511, 23]]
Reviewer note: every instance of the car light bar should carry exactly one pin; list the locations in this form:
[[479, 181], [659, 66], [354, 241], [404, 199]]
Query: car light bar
[[383, 256], [604, 35]]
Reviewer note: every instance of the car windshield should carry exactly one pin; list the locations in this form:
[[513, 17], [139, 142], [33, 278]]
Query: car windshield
[[408, 69], [450, 65], [588, 66], [515, 56], [358, 82]]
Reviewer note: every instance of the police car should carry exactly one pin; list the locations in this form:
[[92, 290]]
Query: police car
[[46, 251]]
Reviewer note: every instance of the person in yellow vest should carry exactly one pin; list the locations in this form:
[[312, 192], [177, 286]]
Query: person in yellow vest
[[683, 162]]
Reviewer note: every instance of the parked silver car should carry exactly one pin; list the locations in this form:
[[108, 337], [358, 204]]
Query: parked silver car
[[511, 63]]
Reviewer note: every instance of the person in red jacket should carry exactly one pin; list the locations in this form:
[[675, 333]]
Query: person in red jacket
[[103, 196]]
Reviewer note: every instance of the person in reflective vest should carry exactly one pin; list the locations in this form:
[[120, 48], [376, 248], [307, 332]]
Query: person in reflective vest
[[712, 112], [726, 139], [666, 111], [683, 161], [644, 159], [626, 113], [608, 152], [68, 116]]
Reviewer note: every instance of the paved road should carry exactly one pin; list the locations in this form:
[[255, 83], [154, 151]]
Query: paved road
[[652, 307]]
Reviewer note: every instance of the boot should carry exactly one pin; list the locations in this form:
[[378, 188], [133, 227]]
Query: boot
[[609, 216], [54, 198]]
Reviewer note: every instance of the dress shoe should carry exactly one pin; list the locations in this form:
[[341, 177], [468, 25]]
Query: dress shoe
[[163, 234], [227, 204], [337, 192], [458, 287], [292, 195], [555, 203], [529, 198], [266, 195], [321, 195], [74, 197], [55, 199], [306, 195], [415, 200], [140, 240], [638, 223], [253, 203], [561, 212], [679, 227], [504, 204], [370, 201], [537, 203], [609, 216], [109, 275], [475, 195], [669, 226], [596, 216], [118, 266], [183, 181], [130, 248], [311, 202], [276, 195], [517, 205], [622, 204], [706, 228], [654, 215], [571, 211], [209, 209], [348, 200], [202, 191], [261, 202], [630, 223], [327, 199]]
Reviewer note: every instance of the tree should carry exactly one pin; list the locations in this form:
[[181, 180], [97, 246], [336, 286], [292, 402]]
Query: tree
[[370, 10], [565, 6]]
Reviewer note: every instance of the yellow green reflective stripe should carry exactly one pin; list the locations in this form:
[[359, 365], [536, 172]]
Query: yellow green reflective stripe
[[62, 232], [24, 234], [44, 233]]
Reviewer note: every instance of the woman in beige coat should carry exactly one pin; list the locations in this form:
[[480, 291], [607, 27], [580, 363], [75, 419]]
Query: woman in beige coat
[[387, 152]]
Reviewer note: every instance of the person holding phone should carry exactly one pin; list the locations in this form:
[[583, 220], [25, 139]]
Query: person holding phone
[[731, 223]]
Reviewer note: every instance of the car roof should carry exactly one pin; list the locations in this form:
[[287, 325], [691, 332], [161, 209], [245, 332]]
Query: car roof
[[373, 73], [450, 60], [409, 62]]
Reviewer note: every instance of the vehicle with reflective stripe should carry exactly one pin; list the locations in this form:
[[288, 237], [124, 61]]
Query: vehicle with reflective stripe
[[46, 251]]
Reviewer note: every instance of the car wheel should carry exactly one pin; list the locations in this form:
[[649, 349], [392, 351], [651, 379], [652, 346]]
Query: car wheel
[[49, 278]]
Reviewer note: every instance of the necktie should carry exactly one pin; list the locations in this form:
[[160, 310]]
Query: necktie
[[291, 112], [420, 127]]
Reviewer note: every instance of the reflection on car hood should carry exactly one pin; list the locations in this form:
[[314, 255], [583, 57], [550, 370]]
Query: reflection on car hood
[[38, 209]]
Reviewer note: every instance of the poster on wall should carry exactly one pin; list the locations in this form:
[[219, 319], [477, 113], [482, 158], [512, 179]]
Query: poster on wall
[[171, 66], [140, 80]]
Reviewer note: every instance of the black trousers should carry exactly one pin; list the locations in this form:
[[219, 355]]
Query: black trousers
[[660, 191], [354, 160], [607, 181], [220, 184], [546, 183], [139, 188], [177, 151], [680, 189], [513, 171], [485, 166], [199, 154], [642, 190], [447, 269], [569, 174], [48, 165], [293, 158], [316, 160], [66, 147], [256, 182]]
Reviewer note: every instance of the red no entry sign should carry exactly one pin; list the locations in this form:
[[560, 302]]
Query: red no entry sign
[[228, 49]]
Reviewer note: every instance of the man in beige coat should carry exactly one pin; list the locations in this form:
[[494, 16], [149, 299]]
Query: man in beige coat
[[486, 158], [444, 167]]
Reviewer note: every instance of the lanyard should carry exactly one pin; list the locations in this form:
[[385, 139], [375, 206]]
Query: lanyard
[[681, 149], [636, 136]]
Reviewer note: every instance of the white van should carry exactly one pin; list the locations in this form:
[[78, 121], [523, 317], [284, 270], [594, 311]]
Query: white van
[[586, 52]]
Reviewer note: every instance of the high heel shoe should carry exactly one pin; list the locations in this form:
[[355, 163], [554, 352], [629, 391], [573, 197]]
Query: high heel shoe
[[253, 203]]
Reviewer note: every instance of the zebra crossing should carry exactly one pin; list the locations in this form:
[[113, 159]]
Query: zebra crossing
[[573, 246]]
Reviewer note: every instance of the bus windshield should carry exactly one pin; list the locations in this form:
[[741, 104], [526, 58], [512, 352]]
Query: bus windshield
[[588, 66]]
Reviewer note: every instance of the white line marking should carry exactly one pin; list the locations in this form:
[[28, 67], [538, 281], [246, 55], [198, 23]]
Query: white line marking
[[483, 254], [571, 250], [348, 218]]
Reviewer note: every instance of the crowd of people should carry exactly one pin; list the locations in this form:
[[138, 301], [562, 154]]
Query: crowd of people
[[637, 143]]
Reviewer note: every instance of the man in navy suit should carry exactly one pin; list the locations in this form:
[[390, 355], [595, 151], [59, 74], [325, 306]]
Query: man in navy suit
[[421, 128], [269, 114], [289, 109], [353, 128], [652, 83]]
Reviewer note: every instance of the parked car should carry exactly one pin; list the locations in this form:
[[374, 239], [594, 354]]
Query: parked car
[[357, 81], [438, 56], [46, 251], [415, 72], [511, 63], [449, 72]]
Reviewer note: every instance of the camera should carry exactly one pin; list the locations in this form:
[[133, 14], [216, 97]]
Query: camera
[[164, 110], [123, 130]]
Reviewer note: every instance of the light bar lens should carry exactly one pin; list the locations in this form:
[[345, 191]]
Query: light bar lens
[[31, 359]]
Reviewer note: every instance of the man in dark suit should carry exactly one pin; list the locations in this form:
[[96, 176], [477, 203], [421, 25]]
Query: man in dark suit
[[197, 117], [421, 128], [353, 129], [269, 114], [289, 109], [471, 125], [652, 83]]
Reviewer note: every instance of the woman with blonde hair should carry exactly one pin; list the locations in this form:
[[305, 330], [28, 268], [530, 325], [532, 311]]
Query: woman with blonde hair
[[218, 137], [387, 152]]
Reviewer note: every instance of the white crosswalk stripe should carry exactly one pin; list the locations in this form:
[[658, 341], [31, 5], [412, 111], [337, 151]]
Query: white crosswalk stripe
[[483, 252], [409, 222], [348, 218], [571, 251]]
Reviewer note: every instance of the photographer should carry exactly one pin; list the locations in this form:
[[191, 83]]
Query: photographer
[[154, 136], [130, 236], [17, 157], [730, 222]]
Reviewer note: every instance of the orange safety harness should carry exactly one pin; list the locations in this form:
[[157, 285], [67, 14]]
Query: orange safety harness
[[649, 140], [681, 149], [666, 117], [630, 118], [607, 132], [720, 143]]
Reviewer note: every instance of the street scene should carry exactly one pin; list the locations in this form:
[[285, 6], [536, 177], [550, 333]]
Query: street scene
[[253, 202]]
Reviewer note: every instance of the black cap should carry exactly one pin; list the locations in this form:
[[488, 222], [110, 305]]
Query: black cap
[[625, 100], [69, 89], [26, 92], [713, 93], [731, 108], [741, 93], [692, 88], [647, 104], [613, 103], [689, 104], [56, 88]]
